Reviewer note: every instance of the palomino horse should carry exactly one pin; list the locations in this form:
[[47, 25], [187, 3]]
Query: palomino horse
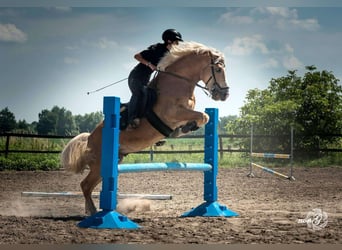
[[179, 74]]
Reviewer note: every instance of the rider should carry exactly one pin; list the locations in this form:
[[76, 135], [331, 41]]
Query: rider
[[139, 77]]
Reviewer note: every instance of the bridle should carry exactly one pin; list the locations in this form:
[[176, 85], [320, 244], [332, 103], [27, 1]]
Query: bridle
[[216, 88]]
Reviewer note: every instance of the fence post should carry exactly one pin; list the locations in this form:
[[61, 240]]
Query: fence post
[[7, 145], [250, 174], [291, 152], [221, 147], [151, 154]]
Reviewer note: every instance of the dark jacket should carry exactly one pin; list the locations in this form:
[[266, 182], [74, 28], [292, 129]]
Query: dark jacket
[[153, 54]]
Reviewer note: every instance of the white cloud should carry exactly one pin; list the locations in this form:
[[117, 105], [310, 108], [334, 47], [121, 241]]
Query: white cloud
[[63, 9], [72, 47], [105, 43], [247, 45], [230, 18], [255, 46], [270, 63], [100, 43], [10, 33], [289, 48], [291, 62], [286, 19], [131, 49], [60, 9], [272, 47], [281, 18], [279, 11], [71, 60], [307, 24]]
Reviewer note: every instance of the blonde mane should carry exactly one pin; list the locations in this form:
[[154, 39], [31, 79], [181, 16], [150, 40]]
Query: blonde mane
[[183, 49]]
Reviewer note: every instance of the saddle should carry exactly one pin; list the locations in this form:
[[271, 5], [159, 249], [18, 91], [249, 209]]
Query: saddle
[[146, 103], [148, 99]]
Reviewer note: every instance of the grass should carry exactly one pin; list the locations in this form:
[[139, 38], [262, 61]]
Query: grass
[[27, 161], [327, 160], [31, 161], [228, 160]]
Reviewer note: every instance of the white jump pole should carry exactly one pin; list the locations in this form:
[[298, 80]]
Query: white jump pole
[[96, 194]]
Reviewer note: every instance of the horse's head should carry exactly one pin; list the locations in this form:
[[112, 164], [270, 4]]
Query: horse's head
[[213, 75], [211, 69]]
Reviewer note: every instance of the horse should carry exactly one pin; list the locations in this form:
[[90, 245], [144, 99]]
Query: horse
[[179, 72]]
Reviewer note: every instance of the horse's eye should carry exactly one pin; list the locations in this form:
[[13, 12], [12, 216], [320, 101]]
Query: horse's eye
[[218, 70]]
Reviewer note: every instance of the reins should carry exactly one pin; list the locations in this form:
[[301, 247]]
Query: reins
[[172, 74], [205, 89]]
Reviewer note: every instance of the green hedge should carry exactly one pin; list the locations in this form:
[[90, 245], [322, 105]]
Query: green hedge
[[29, 162]]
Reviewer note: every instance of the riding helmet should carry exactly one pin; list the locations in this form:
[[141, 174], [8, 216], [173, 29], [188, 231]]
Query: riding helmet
[[172, 35]]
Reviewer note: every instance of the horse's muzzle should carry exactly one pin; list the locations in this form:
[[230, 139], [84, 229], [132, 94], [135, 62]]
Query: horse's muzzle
[[220, 95], [225, 96]]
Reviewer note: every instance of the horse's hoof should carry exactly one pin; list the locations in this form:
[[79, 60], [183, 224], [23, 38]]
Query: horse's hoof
[[190, 126], [160, 143]]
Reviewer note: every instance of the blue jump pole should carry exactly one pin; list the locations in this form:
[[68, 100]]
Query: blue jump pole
[[108, 217], [163, 166], [211, 208]]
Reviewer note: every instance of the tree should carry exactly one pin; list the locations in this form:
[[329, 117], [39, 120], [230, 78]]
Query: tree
[[65, 124], [58, 121], [88, 122], [23, 126], [224, 121], [7, 120], [46, 123], [312, 104], [320, 111]]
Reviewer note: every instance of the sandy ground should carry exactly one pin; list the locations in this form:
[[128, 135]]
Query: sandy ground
[[269, 208]]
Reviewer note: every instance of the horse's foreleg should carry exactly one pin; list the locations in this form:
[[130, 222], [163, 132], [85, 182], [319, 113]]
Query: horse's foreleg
[[88, 184], [189, 127], [193, 119]]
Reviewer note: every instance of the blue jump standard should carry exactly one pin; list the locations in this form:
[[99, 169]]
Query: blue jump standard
[[108, 217], [211, 208], [110, 169]]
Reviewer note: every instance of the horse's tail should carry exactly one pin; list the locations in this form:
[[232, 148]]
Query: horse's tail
[[75, 156]]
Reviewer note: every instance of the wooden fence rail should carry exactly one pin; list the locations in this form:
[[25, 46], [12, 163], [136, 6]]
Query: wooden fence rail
[[7, 150]]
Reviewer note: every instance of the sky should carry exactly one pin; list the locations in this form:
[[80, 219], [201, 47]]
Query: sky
[[53, 54]]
